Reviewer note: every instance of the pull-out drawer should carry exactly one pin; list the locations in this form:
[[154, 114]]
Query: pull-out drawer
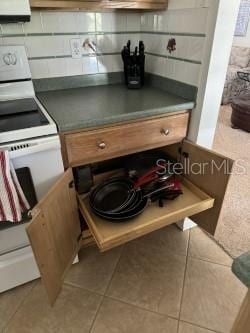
[[108, 235], [98, 145], [55, 233]]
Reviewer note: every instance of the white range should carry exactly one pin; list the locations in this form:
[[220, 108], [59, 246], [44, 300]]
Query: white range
[[30, 134]]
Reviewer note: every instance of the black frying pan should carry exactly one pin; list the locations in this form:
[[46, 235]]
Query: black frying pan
[[130, 206], [133, 209], [126, 215], [112, 195]]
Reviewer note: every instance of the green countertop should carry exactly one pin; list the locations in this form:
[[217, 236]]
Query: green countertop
[[84, 107]]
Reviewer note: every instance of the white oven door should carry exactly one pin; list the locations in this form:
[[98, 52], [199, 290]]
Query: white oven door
[[43, 158]]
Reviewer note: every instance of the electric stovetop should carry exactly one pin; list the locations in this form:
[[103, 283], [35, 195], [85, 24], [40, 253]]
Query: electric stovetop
[[20, 114]]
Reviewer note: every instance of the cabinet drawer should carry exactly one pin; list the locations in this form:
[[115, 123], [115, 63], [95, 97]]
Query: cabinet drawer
[[108, 235], [98, 145]]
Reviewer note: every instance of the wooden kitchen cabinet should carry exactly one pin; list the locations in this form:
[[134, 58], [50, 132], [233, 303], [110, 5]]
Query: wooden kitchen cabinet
[[98, 5], [101, 144], [55, 233]]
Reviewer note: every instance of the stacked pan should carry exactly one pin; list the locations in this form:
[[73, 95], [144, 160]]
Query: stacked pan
[[120, 198], [117, 199]]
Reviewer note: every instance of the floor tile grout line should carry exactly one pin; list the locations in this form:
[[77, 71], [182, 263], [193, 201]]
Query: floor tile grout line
[[118, 300], [197, 325], [189, 256], [74, 285], [82, 288], [218, 243], [96, 314], [140, 308], [18, 308], [103, 296], [184, 278], [111, 278], [208, 261]]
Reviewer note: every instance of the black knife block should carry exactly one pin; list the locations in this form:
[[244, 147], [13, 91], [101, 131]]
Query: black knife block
[[134, 69]]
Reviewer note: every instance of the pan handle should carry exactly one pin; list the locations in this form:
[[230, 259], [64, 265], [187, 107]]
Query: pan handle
[[148, 177], [163, 188]]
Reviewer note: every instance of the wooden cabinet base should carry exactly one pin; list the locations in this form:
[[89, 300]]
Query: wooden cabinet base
[[55, 233], [99, 4]]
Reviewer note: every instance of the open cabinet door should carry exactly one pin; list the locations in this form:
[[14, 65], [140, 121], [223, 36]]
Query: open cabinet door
[[55, 233], [213, 180]]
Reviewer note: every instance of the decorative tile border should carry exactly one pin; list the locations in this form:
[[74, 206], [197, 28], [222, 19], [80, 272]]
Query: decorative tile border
[[172, 33], [110, 33], [117, 53], [174, 58], [69, 56], [103, 33]]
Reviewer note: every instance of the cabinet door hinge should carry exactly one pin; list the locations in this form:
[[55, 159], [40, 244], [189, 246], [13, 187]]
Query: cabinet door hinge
[[182, 153], [72, 184]]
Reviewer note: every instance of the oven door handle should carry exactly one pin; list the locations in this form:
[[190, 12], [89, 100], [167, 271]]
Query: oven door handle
[[35, 148]]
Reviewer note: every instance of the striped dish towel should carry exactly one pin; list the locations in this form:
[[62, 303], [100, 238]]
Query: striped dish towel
[[12, 198]]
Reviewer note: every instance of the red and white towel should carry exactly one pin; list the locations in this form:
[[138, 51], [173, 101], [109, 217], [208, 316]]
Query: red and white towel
[[12, 198]]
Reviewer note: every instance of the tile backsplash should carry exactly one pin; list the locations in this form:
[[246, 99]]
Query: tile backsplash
[[188, 26], [47, 39]]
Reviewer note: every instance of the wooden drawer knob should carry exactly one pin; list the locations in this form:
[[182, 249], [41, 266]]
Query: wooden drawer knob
[[165, 131], [102, 145]]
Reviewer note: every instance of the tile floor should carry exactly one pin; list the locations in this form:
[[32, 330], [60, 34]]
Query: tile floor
[[167, 282]]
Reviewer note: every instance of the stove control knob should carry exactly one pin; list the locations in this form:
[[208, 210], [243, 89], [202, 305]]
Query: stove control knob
[[10, 59]]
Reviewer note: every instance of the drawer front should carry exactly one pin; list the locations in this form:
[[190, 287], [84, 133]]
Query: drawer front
[[98, 145]]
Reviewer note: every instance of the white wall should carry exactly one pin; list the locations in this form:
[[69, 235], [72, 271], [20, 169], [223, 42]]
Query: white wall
[[220, 29], [221, 26], [243, 41]]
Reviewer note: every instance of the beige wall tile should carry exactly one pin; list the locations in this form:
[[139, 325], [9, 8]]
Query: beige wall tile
[[105, 64], [35, 24], [89, 65], [85, 22], [39, 68], [13, 28]]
